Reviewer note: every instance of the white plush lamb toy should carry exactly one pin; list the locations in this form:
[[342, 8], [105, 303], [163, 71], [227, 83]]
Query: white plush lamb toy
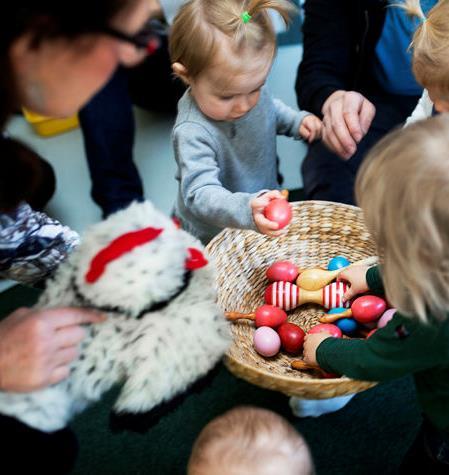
[[163, 331]]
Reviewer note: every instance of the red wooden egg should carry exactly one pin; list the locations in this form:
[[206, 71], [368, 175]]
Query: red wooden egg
[[280, 211], [270, 316], [368, 308], [282, 270], [333, 330], [292, 337]]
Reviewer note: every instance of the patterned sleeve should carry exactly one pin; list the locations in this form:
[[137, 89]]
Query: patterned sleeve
[[32, 245]]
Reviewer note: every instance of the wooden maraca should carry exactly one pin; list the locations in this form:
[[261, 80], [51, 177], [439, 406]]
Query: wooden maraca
[[315, 279], [288, 296], [336, 314], [301, 365], [264, 316]]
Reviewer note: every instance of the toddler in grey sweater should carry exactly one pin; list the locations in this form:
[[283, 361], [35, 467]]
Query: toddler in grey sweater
[[225, 133]]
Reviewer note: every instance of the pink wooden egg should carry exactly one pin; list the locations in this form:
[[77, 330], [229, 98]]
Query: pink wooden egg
[[386, 317], [266, 341], [270, 316], [280, 211], [368, 308], [282, 270], [333, 330]]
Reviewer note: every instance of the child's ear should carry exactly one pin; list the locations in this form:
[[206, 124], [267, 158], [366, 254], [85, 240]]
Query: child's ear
[[181, 71]]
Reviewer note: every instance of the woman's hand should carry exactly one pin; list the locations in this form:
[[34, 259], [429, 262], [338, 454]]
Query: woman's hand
[[347, 117], [37, 346]]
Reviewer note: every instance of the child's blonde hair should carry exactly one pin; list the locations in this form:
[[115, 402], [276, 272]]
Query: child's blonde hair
[[247, 441], [194, 36], [431, 45], [403, 189]]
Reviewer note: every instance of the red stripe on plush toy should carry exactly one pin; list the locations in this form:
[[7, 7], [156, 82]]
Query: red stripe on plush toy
[[119, 246]]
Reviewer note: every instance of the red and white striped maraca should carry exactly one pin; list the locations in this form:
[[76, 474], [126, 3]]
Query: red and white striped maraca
[[287, 296]]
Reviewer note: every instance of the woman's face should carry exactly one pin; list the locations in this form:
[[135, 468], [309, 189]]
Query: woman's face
[[59, 76]]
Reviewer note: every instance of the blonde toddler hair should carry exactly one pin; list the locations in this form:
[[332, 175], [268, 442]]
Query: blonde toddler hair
[[195, 34], [403, 189], [248, 441], [431, 45]]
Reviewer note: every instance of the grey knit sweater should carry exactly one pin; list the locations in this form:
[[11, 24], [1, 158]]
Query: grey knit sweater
[[222, 165]]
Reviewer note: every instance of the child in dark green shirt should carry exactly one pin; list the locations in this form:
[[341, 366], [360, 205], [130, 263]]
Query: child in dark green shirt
[[403, 189]]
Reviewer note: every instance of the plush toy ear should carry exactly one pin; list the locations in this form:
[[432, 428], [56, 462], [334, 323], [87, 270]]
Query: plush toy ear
[[119, 246], [196, 259]]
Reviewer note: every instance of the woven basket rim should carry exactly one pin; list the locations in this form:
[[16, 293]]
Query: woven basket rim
[[300, 203], [292, 377]]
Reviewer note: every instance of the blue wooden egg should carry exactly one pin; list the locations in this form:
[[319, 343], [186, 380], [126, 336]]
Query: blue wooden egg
[[347, 325], [337, 262]]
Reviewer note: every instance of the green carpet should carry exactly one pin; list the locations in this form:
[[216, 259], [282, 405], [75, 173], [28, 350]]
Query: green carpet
[[368, 436]]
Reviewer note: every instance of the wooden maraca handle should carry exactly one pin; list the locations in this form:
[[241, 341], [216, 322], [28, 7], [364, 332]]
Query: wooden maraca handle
[[333, 317], [232, 316], [303, 366]]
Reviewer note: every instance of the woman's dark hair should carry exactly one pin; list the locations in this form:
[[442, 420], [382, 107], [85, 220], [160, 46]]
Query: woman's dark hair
[[44, 19]]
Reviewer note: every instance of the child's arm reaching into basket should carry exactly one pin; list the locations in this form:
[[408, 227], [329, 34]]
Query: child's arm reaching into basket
[[403, 346]]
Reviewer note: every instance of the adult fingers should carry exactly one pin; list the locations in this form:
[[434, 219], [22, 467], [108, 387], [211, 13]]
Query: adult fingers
[[58, 374], [68, 316], [65, 356], [332, 143], [367, 113], [352, 105], [341, 129], [69, 336]]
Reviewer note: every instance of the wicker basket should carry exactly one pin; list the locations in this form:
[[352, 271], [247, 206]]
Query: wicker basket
[[319, 231]]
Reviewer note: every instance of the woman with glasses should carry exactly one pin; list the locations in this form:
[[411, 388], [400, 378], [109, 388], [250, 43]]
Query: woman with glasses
[[54, 57]]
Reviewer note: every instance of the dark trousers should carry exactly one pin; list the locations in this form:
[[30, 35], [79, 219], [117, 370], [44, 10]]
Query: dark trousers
[[108, 127], [429, 453], [327, 176], [27, 450]]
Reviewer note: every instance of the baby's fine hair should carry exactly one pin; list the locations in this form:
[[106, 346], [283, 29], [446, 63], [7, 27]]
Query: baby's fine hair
[[247, 441], [194, 36], [403, 189], [430, 45]]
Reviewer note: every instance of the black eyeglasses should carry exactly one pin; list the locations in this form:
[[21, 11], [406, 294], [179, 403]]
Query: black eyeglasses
[[147, 38]]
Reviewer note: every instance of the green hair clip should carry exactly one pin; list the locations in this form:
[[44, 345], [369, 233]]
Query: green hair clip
[[246, 17]]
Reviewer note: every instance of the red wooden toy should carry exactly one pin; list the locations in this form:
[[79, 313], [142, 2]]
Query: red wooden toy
[[333, 330], [292, 337], [279, 210], [282, 270], [288, 296], [264, 316], [368, 308]]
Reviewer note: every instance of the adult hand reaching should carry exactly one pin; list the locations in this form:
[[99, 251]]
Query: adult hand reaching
[[347, 117], [37, 346]]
